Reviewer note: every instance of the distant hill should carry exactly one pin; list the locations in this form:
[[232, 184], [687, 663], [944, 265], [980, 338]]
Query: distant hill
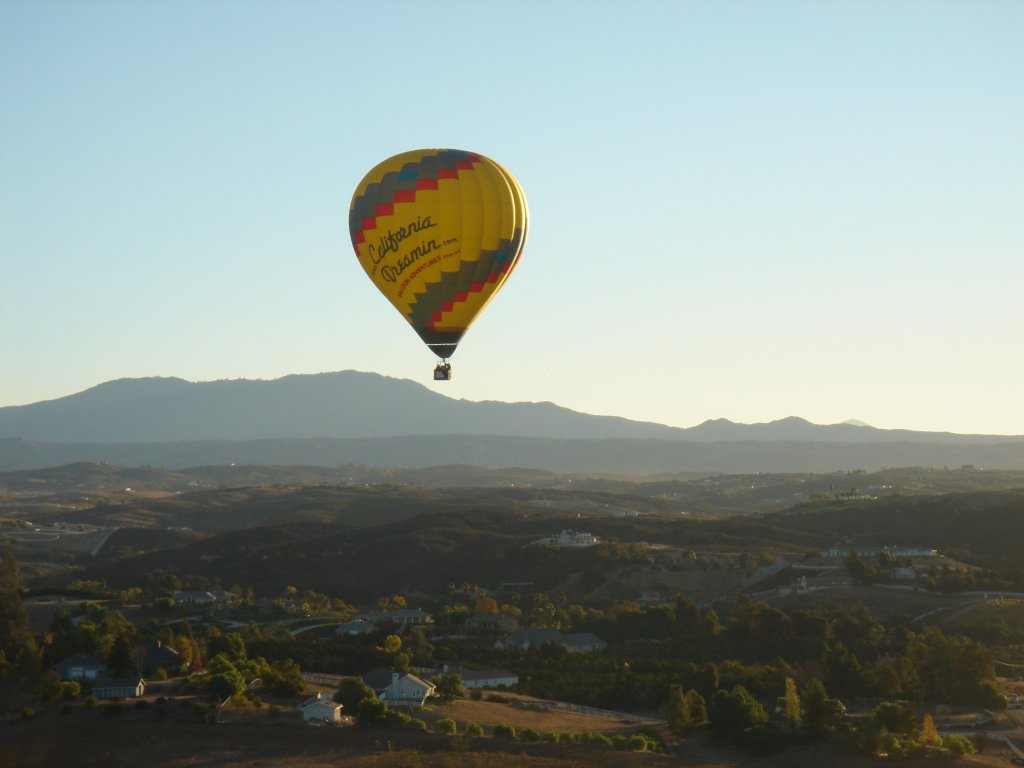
[[484, 543], [348, 404], [626, 457], [363, 418]]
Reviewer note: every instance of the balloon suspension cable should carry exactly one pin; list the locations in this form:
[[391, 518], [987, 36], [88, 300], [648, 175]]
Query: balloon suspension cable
[[443, 370]]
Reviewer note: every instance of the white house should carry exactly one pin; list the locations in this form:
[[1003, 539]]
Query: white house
[[535, 637], [406, 691], [482, 678], [195, 597], [358, 626], [582, 642], [320, 709], [406, 616], [569, 538], [128, 688]]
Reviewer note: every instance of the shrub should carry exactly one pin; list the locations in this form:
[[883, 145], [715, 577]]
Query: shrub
[[371, 711], [91, 702], [474, 730], [498, 698], [504, 732], [414, 724], [445, 725], [70, 689], [529, 734], [896, 717], [551, 737], [957, 744], [638, 742], [28, 713]]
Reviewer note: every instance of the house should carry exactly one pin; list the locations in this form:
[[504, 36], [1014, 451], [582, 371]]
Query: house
[[481, 678], [194, 597], [896, 552], [530, 637], [583, 642], [535, 637], [399, 689], [124, 688], [569, 538], [407, 616], [357, 626], [407, 691], [81, 666], [491, 624], [321, 709], [153, 654]]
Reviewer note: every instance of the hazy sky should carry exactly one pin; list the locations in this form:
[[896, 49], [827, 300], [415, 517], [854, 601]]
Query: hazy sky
[[746, 210]]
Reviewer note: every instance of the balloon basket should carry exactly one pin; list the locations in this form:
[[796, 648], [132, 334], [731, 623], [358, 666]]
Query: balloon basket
[[443, 372]]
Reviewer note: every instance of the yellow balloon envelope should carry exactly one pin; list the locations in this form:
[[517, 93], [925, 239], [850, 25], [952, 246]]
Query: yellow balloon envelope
[[438, 231]]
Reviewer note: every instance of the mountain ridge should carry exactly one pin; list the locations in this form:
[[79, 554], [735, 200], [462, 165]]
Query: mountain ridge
[[350, 417], [354, 404]]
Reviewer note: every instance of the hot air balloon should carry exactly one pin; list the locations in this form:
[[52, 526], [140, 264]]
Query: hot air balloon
[[438, 231]]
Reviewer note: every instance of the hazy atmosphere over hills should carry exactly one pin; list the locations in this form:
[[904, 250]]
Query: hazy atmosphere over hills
[[353, 417]]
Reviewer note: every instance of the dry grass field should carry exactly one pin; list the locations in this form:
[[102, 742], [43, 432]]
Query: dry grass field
[[141, 737]]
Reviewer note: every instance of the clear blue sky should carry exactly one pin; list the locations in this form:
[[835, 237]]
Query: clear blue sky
[[746, 210]]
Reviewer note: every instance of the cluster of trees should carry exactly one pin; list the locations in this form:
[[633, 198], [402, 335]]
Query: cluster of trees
[[945, 578], [653, 648], [811, 714], [713, 667]]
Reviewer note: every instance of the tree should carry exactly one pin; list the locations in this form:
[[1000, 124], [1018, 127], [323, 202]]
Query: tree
[[677, 711], [790, 704], [120, 658], [49, 687], [230, 644], [929, 733], [13, 619], [732, 712], [896, 717], [712, 625], [371, 711], [351, 691], [184, 648], [284, 678], [698, 707], [225, 679], [687, 613], [820, 713], [859, 570], [449, 687], [485, 604], [958, 744]]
